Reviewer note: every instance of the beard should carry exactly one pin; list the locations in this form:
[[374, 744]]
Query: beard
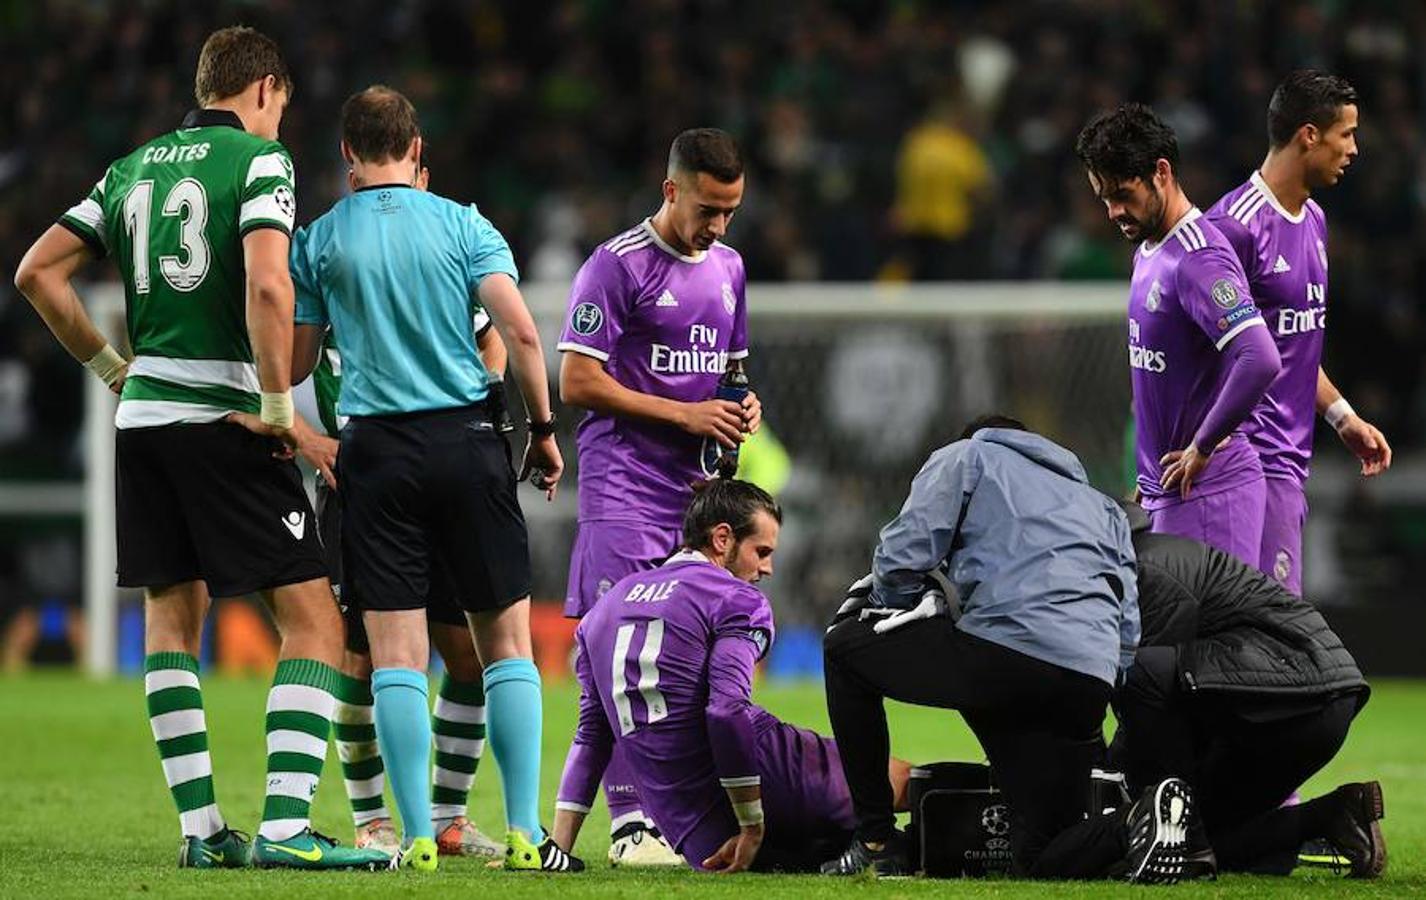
[[1151, 226]]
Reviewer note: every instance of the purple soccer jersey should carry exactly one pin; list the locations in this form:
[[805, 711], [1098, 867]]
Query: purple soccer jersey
[[1285, 259], [665, 668], [662, 323], [1187, 301]]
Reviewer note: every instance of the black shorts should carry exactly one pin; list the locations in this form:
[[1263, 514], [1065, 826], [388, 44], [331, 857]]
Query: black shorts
[[424, 491], [209, 502], [441, 604]]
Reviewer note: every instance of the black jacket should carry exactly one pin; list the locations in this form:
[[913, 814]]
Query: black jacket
[[1237, 631]]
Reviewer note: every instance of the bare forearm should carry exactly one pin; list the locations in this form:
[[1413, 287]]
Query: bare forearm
[[493, 354], [1327, 392], [527, 364], [59, 306], [598, 391], [306, 351], [269, 317]]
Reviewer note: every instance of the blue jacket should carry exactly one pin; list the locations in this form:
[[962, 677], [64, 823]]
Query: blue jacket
[[1043, 563]]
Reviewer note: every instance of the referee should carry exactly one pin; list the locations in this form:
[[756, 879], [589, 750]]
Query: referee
[[427, 484]]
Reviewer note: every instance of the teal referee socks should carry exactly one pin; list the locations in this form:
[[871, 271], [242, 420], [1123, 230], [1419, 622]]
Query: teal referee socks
[[514, 717], [403, 731]]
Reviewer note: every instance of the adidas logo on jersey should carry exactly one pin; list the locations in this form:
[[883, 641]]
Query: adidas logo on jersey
[[296, 522], [1281, 266], [667, 299]]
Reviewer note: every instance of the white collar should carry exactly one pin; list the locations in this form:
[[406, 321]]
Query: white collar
[[1149, 248], [686, 555], [665, 247], [1261, 184]]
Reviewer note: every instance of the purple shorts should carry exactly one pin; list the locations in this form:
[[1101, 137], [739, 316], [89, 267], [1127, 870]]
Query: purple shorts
[[807, 804], [606, 551], [1230, 520], [1284, 515]]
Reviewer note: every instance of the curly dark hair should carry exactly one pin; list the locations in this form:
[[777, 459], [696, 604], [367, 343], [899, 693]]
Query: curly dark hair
[[1126, 143], [1306, 97]]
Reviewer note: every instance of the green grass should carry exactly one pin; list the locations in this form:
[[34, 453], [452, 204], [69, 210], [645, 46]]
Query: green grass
[[87, 812]]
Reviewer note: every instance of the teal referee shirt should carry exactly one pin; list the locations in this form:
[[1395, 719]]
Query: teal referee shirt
[[394, 271]]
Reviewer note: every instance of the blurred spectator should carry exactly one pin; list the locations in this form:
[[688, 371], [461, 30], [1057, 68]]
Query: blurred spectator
[[943, 182], [555, 118]]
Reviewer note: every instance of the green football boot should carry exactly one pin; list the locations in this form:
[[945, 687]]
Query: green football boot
[[228, 849], [420, 856], [310, 850], [522, 855]]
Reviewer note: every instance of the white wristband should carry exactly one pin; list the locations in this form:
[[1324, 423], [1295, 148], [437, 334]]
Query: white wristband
[[107, 364], [1338, 413], [277, 409], [748, 812]]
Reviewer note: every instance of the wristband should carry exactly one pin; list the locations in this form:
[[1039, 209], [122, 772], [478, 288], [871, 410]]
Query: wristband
[[1338, 413], [543, 429], [107, 364], [748, 812], [277, 409]]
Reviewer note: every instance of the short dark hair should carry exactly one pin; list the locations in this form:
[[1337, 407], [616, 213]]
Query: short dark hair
[[728, 501], [379, 124], [1306, 97], [1126, 143], [993, 420], [233, 58], [710, 150]]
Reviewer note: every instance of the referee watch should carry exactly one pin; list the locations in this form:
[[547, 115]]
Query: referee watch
[[543, 429]]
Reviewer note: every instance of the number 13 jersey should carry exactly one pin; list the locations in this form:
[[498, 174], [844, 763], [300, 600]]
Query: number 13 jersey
[[174, 213]]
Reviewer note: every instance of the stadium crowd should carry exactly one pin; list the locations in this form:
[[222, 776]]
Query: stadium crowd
[[886, 140], [1004, 559]]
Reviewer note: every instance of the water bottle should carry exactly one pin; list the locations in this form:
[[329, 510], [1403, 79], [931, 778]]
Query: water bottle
[[717, 461]]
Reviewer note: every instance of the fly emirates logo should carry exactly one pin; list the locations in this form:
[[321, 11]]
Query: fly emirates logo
[[698, 358], [1141, 357], [1301, 321]]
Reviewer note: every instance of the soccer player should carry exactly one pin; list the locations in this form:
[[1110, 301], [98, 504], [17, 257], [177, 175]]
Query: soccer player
[[198, 221], [1199, 353], [426, 478], [1280, 236], [459, 719], [655, 316], [665, 667]]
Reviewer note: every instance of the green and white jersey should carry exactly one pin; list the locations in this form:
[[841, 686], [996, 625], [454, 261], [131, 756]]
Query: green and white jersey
[[327, 377], [173, 213], [327, 386]]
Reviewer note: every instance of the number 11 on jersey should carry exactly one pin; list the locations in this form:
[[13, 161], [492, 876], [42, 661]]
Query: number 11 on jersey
[[648, 685]]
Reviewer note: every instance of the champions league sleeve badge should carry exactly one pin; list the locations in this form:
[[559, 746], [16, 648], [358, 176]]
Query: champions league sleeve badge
[[586, 319], [1225, 293]]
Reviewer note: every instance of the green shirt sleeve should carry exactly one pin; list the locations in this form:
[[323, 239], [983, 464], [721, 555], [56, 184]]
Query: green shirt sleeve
[[268, 198], [86, 219]]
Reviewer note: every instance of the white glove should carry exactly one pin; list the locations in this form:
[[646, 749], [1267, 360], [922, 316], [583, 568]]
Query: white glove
[[933, 604], [858, 596]]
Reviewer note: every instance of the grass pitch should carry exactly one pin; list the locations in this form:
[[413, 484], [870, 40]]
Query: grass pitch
[[88, 814]]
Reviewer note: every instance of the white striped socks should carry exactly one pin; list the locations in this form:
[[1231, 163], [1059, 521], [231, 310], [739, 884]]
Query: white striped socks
[[299, 713], [459, 729], [175, 705], [362, 768]]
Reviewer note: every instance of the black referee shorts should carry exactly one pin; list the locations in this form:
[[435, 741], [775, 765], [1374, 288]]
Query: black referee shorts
[[209, 502], [441, 606], [428, 491]]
